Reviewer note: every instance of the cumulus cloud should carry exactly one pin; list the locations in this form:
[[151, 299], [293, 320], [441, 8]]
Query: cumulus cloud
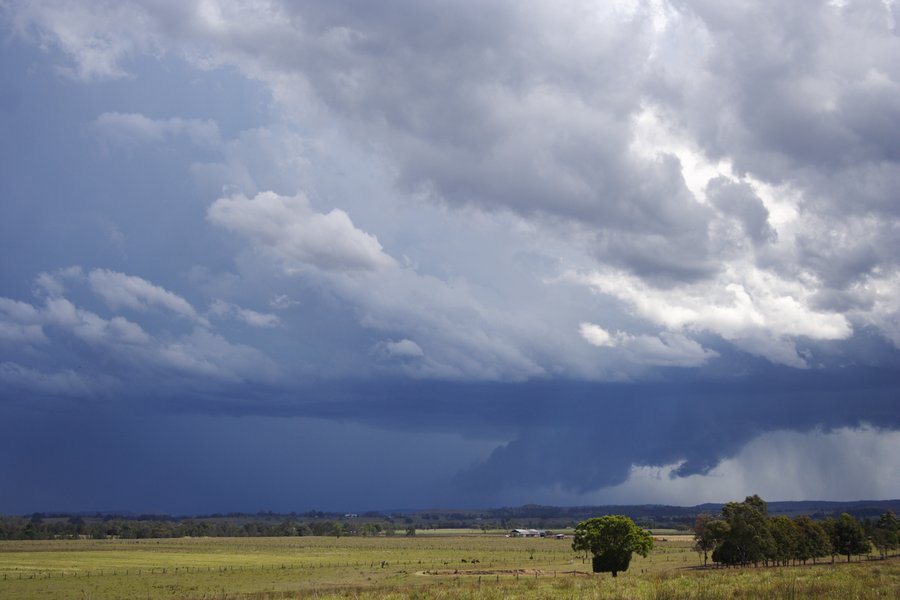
[[207, 354], [289, 229], [53, 283], [88, 34], [876, 303], [20, 322], [475, 339], [89, 326], [137, 352], [596, 335], [760, 313], [121, 290], [676, 142], [540, 192], [666, 350], [516, 132]]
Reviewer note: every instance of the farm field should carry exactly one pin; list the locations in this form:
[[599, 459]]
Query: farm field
[[439, 565]]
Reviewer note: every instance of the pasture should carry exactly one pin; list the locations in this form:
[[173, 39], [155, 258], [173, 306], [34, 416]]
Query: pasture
[[437, 565]]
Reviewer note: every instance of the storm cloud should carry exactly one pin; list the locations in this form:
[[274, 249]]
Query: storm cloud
[[587, 242]]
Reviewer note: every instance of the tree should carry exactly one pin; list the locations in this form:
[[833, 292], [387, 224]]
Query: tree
[[887, 533], [611, 540], [706, 534], [786, 536], [813, 540], [749, 538], [829, 525], [848, 537]]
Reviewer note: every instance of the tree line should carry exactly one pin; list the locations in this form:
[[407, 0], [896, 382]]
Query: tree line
[[745, 534], [39, 528]]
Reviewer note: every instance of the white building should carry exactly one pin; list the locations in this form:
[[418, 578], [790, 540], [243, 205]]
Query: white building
[[527, 533]]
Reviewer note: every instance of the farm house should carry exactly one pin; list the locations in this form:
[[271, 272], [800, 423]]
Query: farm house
[[527, 533]]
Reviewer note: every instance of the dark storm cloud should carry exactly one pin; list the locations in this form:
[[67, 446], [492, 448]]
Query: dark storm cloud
[[120, 458], [585, 436], [602, 438], [577, 436], [693, 199]]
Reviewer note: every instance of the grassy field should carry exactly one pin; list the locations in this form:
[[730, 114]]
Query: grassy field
[[438, 565]]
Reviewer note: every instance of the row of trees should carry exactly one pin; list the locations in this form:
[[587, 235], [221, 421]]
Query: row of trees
[[20, 528], [746, 534]]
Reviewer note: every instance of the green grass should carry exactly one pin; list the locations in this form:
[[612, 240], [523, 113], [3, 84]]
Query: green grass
[[424, 566]]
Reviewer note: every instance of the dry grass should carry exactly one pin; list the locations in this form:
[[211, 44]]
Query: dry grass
[[483, 567]]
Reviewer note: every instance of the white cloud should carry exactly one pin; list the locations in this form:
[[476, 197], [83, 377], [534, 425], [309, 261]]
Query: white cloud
[[18, 333], [877, 303], [20, 322], [137, 351], [92, 328], [53, 284], [596, 335], [604, 132], [96, 36], [297, 235], [758, 311], [666, 350], [121, 290], [21, 312], [206, 354], [127, 332]]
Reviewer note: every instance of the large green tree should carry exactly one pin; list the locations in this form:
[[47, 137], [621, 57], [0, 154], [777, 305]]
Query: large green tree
[[749, 538], [786, 536], [887, 533], [847, 536], [813, 541], [611, 540]]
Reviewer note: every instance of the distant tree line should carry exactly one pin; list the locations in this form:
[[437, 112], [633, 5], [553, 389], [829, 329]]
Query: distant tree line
[[745, 534], [39, 527]]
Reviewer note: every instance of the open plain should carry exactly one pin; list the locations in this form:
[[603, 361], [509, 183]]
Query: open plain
[[481, 565]]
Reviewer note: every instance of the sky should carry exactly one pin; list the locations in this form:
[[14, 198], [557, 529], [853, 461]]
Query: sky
[[347, 255]]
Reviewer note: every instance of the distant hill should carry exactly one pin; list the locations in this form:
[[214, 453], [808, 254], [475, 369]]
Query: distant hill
[[647, 515], [528, 516]]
